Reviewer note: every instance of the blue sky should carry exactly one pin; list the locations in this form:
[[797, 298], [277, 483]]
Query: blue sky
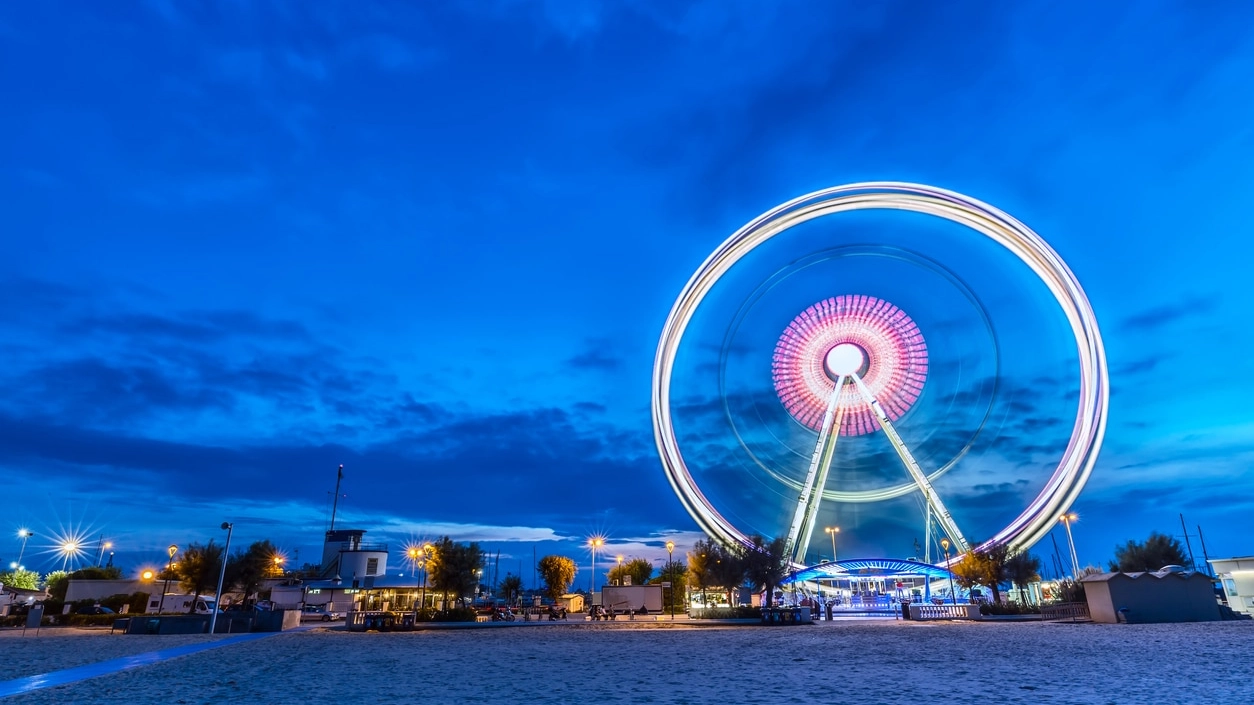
[[242, 243]]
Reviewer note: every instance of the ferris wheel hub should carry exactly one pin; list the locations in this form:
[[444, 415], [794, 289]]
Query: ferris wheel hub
[[844, 360]]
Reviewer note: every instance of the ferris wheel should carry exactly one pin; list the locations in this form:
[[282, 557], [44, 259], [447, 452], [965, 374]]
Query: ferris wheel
[[889, 354]]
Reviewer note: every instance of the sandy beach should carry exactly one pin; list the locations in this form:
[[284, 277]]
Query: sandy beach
[[868, 661]]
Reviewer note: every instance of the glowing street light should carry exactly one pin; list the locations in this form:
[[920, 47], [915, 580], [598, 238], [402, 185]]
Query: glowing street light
[[953, 596], [1068, 520], [594, 543], [832, 531], [147, 575], [278, 566], [413, 552], [620, 572], [171, 550], [25, 535], [102, 547], [670, 550], [213, 618]]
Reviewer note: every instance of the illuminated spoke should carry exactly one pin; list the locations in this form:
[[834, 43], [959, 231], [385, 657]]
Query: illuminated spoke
[[816, 478], [947, 523]]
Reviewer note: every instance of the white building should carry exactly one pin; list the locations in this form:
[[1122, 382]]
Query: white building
[[1236, 576]]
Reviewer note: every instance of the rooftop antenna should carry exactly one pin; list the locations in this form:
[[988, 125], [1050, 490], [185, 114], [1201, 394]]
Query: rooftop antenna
[[336, 502]]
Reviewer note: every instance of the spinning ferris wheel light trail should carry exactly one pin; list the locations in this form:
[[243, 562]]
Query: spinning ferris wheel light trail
[[853, 365]]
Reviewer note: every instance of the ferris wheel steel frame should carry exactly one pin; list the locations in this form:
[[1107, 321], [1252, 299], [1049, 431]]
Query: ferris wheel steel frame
[[1076, 464]]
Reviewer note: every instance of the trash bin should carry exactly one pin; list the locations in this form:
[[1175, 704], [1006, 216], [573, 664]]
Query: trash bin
[[905, 610]]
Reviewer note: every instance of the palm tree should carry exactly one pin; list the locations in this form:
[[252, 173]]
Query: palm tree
[[1023, 568], [766, 564]]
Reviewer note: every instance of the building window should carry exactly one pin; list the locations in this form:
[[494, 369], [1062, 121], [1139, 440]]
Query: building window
[[1231, 586], [372, 566]]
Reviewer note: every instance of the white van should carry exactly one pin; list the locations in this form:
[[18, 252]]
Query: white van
[[180, 604]]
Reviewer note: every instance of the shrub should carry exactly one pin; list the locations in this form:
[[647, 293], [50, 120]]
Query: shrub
[[730, 613], [456, 614]]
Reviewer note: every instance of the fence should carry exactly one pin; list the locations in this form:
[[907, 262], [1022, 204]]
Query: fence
[[1073, 611], [963, 611]]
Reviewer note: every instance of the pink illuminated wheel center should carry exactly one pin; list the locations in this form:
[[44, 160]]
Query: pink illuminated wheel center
[[845, 336]]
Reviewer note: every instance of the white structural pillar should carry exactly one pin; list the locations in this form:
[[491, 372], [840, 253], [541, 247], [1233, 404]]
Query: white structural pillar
[[933, 499], [816, 478]]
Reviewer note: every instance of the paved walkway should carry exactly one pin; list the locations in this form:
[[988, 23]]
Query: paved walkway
[[29, 684]]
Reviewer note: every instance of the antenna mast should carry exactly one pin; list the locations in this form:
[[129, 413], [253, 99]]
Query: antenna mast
[[336, 502]]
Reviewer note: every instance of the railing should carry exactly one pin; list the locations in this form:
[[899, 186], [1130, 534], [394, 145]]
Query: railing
[[963, 611], [1065, 610]]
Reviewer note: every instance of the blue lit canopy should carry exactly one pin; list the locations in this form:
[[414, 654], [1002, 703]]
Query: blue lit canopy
[[866, 567]]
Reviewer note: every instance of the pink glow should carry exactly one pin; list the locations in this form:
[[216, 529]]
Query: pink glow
[[896, 367]]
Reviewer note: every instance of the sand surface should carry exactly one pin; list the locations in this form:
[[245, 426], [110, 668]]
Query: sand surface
[[865, 662]]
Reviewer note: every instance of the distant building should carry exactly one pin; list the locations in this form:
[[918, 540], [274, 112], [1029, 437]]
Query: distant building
[[1145, 598], [344, 554], [1236, 578]]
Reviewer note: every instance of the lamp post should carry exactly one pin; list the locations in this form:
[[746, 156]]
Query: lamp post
[[413, 560], [169, 568], [832, 531], [213, 619], [25, 535], [620, 572], [101, 546], [670, 559], [953, 596], [595, 542], [278, 566], [1067, 520]]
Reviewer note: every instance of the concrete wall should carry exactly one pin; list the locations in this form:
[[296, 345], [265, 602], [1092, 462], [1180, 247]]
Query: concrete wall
[[99, 589]]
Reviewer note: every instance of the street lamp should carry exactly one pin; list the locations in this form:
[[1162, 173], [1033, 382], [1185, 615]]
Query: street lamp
[[670, 550], [413, 560], [832, 531], [25, 535], [169, 568], [213, 619], [953, 596], [1068, 520], [278, 566], [147, 575], [103, 545], [620, 572], [594, 543]]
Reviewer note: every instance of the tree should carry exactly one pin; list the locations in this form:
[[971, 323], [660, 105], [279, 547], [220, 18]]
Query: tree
[[511, 587], [728, 569], [986, 567], [638, 569], [56, 583], [1023, 568], [1158, 550], [19, 578], [197, 571], [451, 567], [766, 564], [675, 573], [557, 572], [700, 558], [246, 570]]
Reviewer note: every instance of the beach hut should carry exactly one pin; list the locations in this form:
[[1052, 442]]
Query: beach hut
[[1143, 598], [572, 602]]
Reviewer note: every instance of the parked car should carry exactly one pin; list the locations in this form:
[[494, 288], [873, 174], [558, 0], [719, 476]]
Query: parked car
[[94, 609], [319, 612]]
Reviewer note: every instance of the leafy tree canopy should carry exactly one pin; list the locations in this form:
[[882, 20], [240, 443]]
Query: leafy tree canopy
[[639, 569], [24, 579], [451, 567], [510, 587], [558, 572], [766, 564], [197, 569], [1155, 552]]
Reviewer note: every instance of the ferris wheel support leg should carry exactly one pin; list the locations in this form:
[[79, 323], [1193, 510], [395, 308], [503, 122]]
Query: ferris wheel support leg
[[943, 516], [802, 526]]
